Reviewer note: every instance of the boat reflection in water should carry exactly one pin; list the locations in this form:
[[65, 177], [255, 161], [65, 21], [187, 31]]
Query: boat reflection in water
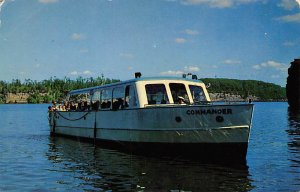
[[86, 167]]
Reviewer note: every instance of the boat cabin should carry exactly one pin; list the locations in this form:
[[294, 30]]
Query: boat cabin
[[141, 93]]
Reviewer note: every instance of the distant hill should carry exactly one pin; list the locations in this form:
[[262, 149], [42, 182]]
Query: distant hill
[[245, 89]]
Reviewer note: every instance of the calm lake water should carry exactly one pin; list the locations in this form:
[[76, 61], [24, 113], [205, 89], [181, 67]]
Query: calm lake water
[[30, 160]]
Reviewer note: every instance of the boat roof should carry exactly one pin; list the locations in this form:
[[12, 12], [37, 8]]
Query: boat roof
[[85, 90]]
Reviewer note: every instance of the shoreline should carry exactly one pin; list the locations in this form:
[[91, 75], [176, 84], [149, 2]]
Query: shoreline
[[219, 101]]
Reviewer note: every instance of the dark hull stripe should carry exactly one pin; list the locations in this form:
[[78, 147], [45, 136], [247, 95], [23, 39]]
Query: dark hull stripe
[[170, 129]]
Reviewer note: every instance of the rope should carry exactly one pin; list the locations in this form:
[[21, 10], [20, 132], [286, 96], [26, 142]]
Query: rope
[[72, 119]]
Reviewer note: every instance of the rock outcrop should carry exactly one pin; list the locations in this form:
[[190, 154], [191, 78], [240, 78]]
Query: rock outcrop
[[231, 97], [293, 85], [16, 97]]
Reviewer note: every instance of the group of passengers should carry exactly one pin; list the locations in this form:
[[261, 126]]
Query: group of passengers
[[86, 106], [73, 106]]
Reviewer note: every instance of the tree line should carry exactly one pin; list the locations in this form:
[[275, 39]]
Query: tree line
[[48, 90], [55, 89], [245, 88]]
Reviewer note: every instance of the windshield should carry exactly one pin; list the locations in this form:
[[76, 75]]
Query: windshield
[[197, 93], [178, 91], [156, 94]]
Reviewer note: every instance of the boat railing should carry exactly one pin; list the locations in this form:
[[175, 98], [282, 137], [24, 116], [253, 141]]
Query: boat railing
[[203, 103], [176, 104]]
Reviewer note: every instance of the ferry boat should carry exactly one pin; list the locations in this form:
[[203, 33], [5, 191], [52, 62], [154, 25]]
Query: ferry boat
[[156, 115]]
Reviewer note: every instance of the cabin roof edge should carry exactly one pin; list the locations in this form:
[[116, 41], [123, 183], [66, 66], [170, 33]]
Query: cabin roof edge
[[77, 91]]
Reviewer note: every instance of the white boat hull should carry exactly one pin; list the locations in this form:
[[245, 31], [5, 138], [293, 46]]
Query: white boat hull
[[183, 124], [211, 132]]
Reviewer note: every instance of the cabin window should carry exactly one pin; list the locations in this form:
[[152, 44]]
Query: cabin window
[[80, 101], [118, 98], [95, 100], [105, 99], [197, 93], [156, 94], [130, 97], [178, 90]]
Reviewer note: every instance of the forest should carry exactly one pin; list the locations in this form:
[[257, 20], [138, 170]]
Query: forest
[[55, 89], [48, 90], [264, 91]]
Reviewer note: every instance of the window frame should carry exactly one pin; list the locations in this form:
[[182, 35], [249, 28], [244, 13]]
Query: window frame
[[164, 100]]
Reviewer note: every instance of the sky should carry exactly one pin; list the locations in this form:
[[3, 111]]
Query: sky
[[237, 39]]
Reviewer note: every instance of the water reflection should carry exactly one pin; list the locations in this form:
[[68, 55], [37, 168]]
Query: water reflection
[[294, 134], [94, 168]]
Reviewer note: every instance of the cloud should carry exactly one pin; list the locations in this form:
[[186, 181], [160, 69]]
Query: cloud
[[257, 67], [48, 1], [271, 64], [191, 68], [180, 40], [87, 72], [217, 3], [295, 18], [186, 69], [170, 72], [76, 73], [288, 4], [191, 32], [77, 36], [231, 62], [289, 44], [1, 3]]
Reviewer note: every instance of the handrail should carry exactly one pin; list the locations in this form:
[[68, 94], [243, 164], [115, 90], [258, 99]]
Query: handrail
[[72, 119]]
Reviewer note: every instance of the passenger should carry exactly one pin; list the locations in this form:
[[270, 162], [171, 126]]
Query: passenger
[[54, 106], [72, 106], [115, 105], [85, 106], [50, 109], [121, 104], [61, 107], [118, 104], [95, 106], [181, 100], [103, 105], [108, 104], [79, 106], [67, 106]]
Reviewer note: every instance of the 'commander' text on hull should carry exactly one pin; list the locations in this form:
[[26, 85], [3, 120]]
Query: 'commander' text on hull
[[209, 112]]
